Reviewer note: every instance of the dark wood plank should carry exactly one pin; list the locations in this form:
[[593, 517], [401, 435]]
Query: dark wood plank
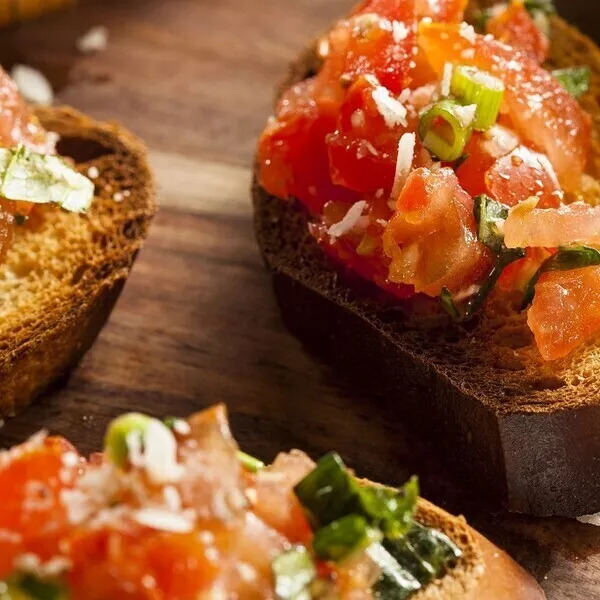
[[197, 322]]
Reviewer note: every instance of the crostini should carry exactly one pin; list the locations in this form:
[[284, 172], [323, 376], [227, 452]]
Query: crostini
[[425, 196], [172, 510]]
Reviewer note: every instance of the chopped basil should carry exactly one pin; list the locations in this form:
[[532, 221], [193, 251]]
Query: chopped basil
[[342, 538], [250, 463], [41, 179], [330, 492], [490, 215], [294, 571], [544, 6], [576, 80], [566, 259], [424, 552], [396, 582], [29, 587]]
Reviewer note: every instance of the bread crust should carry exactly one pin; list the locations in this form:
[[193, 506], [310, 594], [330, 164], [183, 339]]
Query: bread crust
[[525, 430], [44, 340]]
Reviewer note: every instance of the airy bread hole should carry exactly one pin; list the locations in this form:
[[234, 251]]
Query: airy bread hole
[[81, 149]]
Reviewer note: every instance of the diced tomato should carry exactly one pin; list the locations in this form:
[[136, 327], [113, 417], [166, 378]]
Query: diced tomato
[[395, 10], [363, 150], [517, 275], [139, 564], [522, 174], [577, 223], [432, 238], [516, 28], [276, 504], [450, 11], [292, 154], [540, 109], [32, 518], [375, 47], [17, 124], [565, 311]]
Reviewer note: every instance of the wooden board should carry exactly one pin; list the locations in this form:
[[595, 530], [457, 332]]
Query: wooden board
[[197, 322]]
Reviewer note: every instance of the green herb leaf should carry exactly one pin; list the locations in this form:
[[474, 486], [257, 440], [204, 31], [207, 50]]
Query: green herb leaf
[[293, 570], [42, 179], [330, 492], [566, 259], [489, 215], [396, 582], [543, 6], [344, 537], [576, 80], [250, 463], [424, 552], [29, 587], [390, 509]]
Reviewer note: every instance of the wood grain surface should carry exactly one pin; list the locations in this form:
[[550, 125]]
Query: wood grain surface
[[197, 322]]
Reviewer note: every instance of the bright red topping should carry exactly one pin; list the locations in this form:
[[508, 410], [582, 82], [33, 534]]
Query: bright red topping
[[516, 28], [347, 145], [572, 300]]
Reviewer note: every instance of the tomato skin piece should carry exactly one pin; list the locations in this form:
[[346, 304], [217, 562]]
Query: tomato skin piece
[[432, 237], [523, 174], [292, 154], [516, 28], [542, 112], [565, 311], [363, 150], [32, 518], [471, 173]]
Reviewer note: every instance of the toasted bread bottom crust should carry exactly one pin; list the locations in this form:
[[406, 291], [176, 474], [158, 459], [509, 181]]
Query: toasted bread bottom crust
[[51, 320]]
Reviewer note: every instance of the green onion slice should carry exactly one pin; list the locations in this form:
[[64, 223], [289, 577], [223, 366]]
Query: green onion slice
[[29, 587], [293, 570], [116, 440], [250, 463], [342, 538], [42, 179], [576, 80], [445, 128], [473, 86]]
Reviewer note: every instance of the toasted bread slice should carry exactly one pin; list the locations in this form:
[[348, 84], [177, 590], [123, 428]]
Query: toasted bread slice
[[483, 571], [526, 430], [62, 277]]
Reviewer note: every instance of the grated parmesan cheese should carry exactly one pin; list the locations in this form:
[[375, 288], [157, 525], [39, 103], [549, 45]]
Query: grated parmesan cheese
[[94, 40], [32, 84], [160, 454], [468, 32], [447, 79], [466, 114], [393, 111], [590, 519], [163, 520], [400, 31], [406, 151], [349, 222]]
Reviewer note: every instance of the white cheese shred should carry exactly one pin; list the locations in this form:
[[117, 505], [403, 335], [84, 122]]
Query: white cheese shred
[[392, 110], [350, 220], [406, 151]]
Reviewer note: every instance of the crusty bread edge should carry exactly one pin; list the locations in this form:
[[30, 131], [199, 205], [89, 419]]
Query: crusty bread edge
[[29, 370]]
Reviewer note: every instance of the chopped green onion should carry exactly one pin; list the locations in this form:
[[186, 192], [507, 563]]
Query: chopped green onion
[[30, 587], [39, 178], [445, 128], [576, 80], [293, 570], [566, 259], [250, 463], [342, 538], [473, 86], [116, 440]]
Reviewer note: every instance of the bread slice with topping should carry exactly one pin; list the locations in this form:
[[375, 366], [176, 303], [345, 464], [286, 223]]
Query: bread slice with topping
[[523, 429], [173, 509], [64, 272]]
